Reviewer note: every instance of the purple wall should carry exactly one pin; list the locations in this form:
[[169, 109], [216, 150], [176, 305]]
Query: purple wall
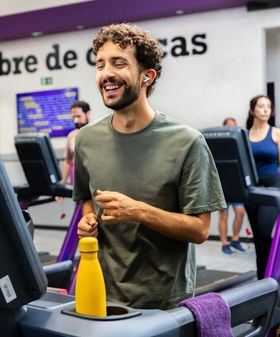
[[92, 14]]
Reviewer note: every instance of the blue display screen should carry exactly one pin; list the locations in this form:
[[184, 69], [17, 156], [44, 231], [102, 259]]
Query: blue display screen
[[46, 111]]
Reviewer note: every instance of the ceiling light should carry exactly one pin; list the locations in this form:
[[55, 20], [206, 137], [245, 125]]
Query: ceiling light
[[179, 12]]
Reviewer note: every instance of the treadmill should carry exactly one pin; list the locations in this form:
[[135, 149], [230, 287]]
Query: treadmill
[[235, 163], [236, 167], [27, 310], [42, 172], [40, 167]]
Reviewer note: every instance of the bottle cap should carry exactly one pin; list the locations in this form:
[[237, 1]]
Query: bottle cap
[[88, 245]]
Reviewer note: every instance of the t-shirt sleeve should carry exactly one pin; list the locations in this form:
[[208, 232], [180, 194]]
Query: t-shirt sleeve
[[81, 178], [200, 189]]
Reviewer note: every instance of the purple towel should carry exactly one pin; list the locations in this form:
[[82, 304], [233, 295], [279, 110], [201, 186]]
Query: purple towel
[[212, 315]]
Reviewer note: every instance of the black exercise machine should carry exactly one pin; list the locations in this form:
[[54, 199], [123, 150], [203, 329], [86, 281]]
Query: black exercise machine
[[26, 310], [235, 163], [42, 173], [234, 160], [41, 169]]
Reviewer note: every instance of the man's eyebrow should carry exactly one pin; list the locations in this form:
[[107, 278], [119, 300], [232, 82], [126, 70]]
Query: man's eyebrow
[[113, 58], [99, 60], [116, 58]]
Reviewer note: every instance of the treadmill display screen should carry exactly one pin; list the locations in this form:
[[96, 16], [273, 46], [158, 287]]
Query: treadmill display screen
[[46, 111], [234, 160]]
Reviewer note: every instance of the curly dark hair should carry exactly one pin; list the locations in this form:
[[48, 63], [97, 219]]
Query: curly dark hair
[[253, 103], [148, 51]]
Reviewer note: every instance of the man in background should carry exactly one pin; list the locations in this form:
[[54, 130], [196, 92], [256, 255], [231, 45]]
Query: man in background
[[80, 111]]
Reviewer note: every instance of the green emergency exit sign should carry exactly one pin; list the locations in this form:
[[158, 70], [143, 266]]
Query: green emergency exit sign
[[46, 80]]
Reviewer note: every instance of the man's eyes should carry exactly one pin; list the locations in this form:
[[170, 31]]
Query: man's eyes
[[117, 64], [120, 64]]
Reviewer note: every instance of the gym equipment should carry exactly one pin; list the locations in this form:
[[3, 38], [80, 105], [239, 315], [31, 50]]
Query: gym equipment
[[235, 163], [42, 173], [24, 314], [234, 160]]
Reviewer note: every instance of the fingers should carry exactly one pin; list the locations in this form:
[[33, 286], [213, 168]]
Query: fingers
[[90, 219], [83, 234], [107, 199], [116, 206], [108, 218], [106, 196], [109, 205], [88, 226]]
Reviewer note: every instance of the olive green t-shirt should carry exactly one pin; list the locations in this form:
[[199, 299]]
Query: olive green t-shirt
[[167, 165]]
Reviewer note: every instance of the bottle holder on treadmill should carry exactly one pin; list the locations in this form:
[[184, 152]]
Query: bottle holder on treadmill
[[114, 312]]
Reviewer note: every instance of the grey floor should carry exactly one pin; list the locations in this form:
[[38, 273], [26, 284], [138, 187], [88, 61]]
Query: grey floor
[[209, 254]]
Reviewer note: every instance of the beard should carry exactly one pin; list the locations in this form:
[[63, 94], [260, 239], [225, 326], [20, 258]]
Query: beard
[[130, 95], [80, 125]]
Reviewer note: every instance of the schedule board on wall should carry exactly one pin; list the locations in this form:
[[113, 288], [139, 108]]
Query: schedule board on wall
[[46, 111]]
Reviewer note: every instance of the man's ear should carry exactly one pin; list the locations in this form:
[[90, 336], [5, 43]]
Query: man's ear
[[146, 79], [88, 113], [149, 76]]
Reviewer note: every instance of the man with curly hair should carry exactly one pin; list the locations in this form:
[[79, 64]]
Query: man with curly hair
[[147, 183]]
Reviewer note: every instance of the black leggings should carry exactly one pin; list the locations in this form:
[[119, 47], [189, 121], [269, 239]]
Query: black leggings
[[262, 219]]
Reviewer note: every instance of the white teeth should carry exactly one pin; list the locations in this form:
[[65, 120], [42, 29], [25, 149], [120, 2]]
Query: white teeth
[[111, 87]]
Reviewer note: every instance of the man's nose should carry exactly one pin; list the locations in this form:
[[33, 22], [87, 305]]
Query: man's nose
[[108, 71]]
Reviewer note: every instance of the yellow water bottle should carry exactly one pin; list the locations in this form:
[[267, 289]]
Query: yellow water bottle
[[90, 293]]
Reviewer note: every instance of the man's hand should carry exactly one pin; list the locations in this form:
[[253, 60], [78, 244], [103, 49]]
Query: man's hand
[[116, 206], [88, 226]]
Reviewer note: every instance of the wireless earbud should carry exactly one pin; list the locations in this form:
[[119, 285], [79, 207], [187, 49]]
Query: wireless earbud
[[146, 79]]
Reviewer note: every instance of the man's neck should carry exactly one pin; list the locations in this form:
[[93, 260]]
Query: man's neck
[[133, 118]]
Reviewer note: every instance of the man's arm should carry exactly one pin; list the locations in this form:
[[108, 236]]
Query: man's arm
[[87, 207], [182, 227], [65, 170], [88, 223], [68, 157]]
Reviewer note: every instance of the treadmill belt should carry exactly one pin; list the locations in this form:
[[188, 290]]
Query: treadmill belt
[[208, 280]]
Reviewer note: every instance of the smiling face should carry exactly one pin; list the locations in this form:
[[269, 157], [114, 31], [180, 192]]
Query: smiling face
[[118, 76], [262, 110]]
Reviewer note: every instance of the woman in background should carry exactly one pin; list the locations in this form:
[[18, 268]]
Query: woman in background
[[265, 142]]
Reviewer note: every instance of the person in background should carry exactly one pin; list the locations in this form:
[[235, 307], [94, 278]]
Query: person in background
[[265, 142], [239, 212], [144, 203], [80, 111]]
